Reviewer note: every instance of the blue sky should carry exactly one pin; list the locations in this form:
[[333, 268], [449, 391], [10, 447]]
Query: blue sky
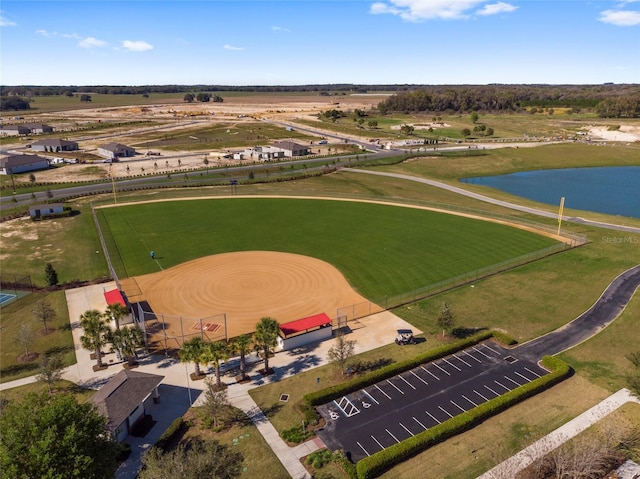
[[292, 42]]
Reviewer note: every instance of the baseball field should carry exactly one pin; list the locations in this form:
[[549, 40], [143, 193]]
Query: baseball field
[[288, 258]]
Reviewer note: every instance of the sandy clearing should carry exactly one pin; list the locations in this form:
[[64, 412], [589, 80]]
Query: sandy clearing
[[624, 133], [246, 286]]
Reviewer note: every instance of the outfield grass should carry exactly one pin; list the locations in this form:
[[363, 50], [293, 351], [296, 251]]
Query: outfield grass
[[19, 313], [382, 250]]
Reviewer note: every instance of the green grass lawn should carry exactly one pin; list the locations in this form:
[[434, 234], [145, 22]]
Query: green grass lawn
[[19, 313], [382, 250]]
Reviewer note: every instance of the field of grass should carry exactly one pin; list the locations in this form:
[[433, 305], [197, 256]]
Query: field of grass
[[405, 248], [59, 341]]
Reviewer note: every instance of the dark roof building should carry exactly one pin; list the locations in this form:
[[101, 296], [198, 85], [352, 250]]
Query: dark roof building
[[14, 164], [122, 399], [291, 148], [54, 145], [115, 150]]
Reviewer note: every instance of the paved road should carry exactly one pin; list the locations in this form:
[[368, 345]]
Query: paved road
[[487, 199]]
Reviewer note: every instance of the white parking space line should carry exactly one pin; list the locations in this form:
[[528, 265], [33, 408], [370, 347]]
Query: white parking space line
[[406, 429], [491, 390], [492, 350], [456, 405], [469, 400], [444, 371], [426, 370], [370, 396], [472, 357], [423, 426], [410, 385], [377, 442], [480, 395], [426, 383], [533, 372], [401, 392], [365, 451], [523, 377], [378, 388], [502, 385], [347, 407], [478, 351], [461, 360], [397, 440], [450, 364], [432, 417], [512, 380], [445, 411]]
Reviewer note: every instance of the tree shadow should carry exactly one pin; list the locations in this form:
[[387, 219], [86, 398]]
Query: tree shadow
[[361, 367], [462, 332]]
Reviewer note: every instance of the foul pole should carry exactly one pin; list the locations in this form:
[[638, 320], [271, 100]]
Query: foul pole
[[560, 214]]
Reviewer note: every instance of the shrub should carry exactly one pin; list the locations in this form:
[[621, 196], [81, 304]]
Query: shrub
[[167, 437], [319, 458], [296, 435]]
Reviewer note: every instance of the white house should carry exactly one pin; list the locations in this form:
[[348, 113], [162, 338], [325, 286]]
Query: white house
[[263, 153], [114, 151], [37, 128], [14, 130], [39, 212], [54, 145], [22, 163]]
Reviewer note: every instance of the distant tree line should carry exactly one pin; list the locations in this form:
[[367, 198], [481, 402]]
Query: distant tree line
[[619, 101]]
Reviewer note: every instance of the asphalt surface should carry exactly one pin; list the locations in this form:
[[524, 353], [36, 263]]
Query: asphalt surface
[[376, 417]]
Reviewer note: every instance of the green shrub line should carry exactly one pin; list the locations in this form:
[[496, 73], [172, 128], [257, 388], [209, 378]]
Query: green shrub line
[[166, 438], [374, 465], [323, 396]]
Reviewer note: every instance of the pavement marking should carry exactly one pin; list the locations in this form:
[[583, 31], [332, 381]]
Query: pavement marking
[[345, 404], [492, 350], [389, 432], [477, 350], [410, 385], [491, 390], [472, 357], [377, 442], [406, 429], [426, 370], [523, 377], [533, 372], [426, 383], [444, 371], [365, 451], [401, 392], [431, 416], [445, 411], [480, 395], [370, 396], [513, 381], [502, 385], [378, 388], [456, 405], [425, 427], [469, 400], [462, 360], [452, 365]]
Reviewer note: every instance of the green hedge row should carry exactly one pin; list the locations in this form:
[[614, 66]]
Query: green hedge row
[[376, 464], [329, 394], [167, 437]]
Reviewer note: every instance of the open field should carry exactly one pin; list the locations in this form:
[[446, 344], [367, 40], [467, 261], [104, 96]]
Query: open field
[[406, 248]]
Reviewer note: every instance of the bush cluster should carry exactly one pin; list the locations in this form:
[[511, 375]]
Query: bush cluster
[[166, 438]]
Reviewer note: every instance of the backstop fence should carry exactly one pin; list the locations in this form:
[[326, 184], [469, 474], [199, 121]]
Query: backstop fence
[[16, 282]]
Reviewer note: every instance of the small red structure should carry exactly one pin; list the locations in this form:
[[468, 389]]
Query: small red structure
[[114, 296], [306, 330]]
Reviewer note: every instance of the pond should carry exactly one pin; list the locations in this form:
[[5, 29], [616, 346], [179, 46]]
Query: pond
[[613, 190]]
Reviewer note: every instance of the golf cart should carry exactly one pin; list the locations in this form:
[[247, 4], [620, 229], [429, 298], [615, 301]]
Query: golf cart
[[405, 336]]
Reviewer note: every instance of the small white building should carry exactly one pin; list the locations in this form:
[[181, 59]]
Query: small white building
[[113, 151], [304, 331], [15, 164], [291, 148], [37, 128], [39, 212], [263, 153], [14, 130]]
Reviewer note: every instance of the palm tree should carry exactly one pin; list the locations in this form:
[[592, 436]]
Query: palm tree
[[214, 353], [127, 340], [266, 337], [96, 333], [117, 311], [192, 352], [242, 345]]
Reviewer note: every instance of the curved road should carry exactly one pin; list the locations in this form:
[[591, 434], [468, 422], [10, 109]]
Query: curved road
[[487, 199]]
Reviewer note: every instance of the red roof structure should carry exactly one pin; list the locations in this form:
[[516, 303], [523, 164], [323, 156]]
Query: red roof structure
[[114, 296], [305, 324]]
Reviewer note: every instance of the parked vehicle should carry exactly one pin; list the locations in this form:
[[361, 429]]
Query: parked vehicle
[[405, 336]]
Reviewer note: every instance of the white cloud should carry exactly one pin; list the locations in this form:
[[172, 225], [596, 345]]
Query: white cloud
[[620, 18], [70, 35], [495, 8], [231, 47], [416, 10], [5, 22], [137, 46], [280, 29], [91, 42], [45, 33]]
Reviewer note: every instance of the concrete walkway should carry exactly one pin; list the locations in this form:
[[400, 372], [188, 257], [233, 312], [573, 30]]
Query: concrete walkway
[[551, 441]]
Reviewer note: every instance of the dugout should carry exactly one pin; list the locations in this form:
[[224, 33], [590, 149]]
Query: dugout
[[304, 331], [115, 296]]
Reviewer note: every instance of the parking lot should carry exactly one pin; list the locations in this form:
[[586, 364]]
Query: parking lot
[[386, 413]]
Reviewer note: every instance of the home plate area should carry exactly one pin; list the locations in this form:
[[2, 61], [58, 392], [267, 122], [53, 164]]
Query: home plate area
[[200, 326]]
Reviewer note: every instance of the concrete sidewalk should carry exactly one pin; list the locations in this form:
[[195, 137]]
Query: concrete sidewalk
[[551, 441]]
